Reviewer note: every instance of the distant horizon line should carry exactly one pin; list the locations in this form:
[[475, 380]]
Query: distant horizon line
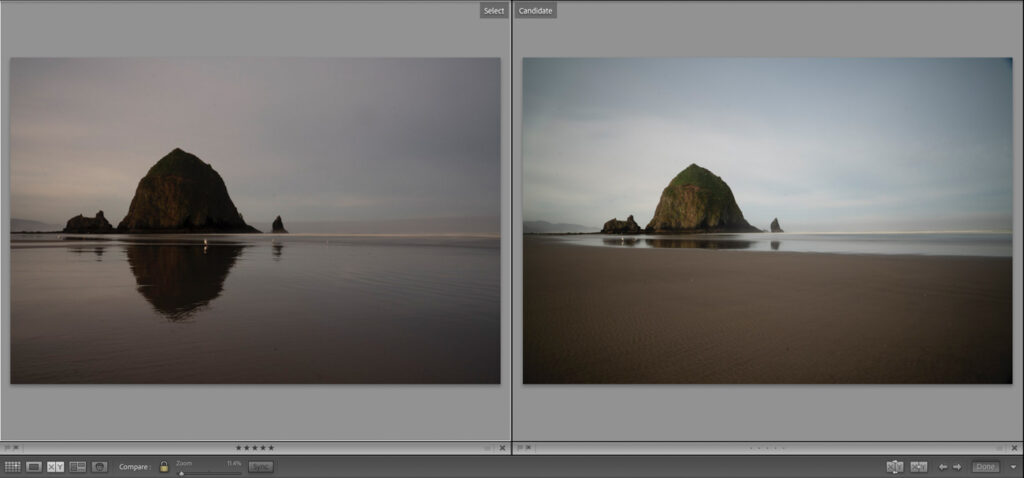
[[317, 221]]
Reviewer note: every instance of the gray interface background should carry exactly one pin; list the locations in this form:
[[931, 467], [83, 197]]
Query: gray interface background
[[257, 29], [770, 412], [445, 29]]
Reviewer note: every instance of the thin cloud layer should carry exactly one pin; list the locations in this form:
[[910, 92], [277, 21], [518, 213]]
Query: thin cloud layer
[[822, 144]]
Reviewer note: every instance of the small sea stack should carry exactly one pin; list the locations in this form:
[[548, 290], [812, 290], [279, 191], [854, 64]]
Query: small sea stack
[[88, 225], [775, 226], [278, 226], [615, 226]]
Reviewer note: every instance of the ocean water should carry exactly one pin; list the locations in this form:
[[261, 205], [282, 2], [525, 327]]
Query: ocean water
[[935, 244], [306, 309]]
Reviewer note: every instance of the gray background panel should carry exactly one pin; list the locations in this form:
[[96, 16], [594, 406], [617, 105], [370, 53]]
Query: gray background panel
[[541, 412], [767, 412], [263, 29]]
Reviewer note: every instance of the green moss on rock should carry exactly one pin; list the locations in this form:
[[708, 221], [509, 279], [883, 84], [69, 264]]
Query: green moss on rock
[[697, 200]]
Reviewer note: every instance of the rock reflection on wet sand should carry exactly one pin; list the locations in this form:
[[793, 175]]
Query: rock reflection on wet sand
[[180, 279]]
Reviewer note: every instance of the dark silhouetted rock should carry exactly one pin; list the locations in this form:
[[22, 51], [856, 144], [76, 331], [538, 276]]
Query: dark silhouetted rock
[[278, 226], [89, 225], [182, 194], [615, 226], [775, 225], [697, 200]]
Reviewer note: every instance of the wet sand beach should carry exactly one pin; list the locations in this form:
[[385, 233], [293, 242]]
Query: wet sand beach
[[296, 309], [604, 315]]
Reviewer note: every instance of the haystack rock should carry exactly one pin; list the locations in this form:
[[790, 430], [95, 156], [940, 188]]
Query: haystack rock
[[775, 225], [182, 194], [697, 200], [615, 226], [89, 225], [278, 226]]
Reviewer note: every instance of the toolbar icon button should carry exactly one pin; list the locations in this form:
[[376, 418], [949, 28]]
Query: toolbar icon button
[[34, 466], [55, 467], [12, 467], [77, 467], [99, 467], [894, 467], [919, 467]]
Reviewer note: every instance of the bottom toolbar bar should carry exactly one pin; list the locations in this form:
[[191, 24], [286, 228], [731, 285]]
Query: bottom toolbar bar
[[521, 465]]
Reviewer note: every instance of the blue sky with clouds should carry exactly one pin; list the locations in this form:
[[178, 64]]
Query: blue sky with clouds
[[822, 144]]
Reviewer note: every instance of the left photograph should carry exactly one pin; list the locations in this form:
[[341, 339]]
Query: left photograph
[[255, 221]]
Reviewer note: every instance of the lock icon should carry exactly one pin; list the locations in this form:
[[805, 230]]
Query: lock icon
[[164, 468]]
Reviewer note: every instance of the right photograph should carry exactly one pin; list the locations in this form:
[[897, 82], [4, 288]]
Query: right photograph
[[767, 220]]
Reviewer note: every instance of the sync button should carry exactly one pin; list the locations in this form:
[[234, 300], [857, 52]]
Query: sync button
[[261, 467]]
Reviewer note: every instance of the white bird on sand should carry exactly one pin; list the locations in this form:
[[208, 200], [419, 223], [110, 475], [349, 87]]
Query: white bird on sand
[[204, 242]]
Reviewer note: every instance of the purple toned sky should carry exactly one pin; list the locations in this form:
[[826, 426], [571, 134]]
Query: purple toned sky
[[307, 139]]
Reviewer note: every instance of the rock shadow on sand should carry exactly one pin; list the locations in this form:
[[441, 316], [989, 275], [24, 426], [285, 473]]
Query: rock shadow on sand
[[621, 241], [698, 244]]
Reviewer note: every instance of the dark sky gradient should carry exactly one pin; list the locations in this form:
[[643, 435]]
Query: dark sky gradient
[[308, 139]]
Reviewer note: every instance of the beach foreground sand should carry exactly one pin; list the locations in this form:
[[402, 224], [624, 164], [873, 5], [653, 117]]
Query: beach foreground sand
[[646, 316]]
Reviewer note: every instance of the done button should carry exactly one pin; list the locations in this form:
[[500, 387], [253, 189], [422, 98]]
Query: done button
[[985, 467]]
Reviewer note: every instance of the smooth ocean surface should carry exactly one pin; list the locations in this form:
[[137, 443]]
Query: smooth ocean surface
[[304, 309]]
